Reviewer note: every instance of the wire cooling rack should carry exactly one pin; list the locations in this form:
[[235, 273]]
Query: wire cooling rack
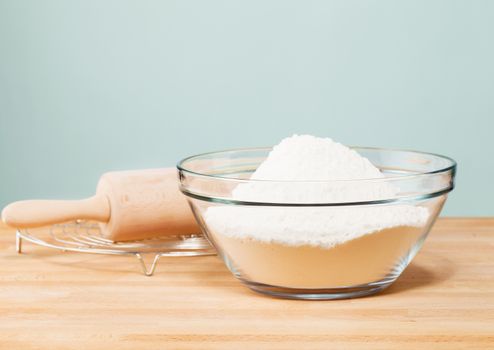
[[86, 237]]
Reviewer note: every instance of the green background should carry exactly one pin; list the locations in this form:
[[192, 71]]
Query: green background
[[92, 86]]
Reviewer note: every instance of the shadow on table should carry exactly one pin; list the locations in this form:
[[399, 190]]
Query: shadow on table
[[417, 275]]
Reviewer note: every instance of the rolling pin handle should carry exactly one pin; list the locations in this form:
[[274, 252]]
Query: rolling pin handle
[[37, 213]]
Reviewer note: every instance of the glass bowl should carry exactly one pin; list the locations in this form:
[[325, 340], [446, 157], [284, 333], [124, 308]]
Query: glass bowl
[[278, 240]]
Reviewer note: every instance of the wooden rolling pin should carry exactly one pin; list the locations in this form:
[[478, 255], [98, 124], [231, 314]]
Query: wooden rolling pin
[[131, 205]]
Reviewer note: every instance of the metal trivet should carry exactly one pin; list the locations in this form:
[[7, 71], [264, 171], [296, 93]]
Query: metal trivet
[[85, 237]]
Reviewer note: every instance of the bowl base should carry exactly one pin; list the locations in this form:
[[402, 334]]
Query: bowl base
[[320, 293]]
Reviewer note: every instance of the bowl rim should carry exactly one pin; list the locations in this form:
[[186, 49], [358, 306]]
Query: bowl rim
[[451, 167]]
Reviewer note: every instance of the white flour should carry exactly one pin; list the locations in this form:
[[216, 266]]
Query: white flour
[[325, 163]]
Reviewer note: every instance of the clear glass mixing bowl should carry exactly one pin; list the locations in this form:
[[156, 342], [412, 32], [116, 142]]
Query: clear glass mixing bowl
[[354, 242]]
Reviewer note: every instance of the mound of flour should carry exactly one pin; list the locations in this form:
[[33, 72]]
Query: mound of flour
[[308, 169]]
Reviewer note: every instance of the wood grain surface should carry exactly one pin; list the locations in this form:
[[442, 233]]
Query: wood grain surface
[[55, 300]]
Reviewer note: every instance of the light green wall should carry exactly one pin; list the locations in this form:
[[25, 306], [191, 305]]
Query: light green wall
[[91, 86]]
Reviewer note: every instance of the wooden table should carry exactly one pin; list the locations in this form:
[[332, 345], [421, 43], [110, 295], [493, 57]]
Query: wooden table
[[54, 300]]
